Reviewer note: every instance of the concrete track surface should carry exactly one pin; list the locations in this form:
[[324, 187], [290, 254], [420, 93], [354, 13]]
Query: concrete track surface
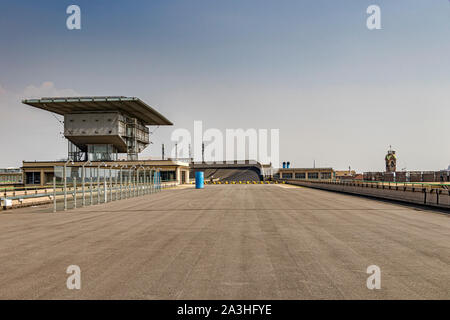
[[227, 242]]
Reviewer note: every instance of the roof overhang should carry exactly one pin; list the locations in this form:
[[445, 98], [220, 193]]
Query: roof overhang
[[128, 105]]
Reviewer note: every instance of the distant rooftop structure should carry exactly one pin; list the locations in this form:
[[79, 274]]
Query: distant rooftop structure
[[99, 128]]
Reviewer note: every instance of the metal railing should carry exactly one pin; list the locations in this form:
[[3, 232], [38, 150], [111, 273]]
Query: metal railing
[[95, 190]]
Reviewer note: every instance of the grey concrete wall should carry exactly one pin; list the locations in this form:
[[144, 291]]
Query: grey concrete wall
[[417, 195]]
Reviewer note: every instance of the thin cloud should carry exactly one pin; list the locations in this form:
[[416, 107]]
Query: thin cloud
[[46, 89]]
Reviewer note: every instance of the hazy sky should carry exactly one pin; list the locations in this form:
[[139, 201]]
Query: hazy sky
[[338, 92]]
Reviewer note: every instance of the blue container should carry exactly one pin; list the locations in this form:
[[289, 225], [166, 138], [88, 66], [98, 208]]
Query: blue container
[[288, 164], [199, 180], [284, 165]]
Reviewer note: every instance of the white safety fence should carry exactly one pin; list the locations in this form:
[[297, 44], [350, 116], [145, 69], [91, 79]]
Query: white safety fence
[[79, 186]]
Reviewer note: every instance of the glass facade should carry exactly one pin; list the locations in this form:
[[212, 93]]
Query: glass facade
[[33, 178], [168, 175], [325, 175], [313, 175], [74, 152], [102, 152], [287, 175], [300, 175]]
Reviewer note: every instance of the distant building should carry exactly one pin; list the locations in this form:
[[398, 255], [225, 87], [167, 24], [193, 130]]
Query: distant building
[[345, 174], [10, 176], [98, 129], [305, 174]]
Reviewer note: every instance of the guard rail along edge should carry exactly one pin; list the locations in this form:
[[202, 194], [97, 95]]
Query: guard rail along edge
[[423, 194]]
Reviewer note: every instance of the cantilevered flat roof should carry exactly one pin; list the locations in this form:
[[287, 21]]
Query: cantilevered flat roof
[[128, 105]]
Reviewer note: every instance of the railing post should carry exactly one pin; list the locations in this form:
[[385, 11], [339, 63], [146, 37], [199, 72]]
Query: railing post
[[65, 189], [105, 189], [146, 185], [138, 180], [90, 191], [110, 185], [126, 187], [83, 170], [74, 193], [98, 186], [115, 187], [54, 194], [121, 180]]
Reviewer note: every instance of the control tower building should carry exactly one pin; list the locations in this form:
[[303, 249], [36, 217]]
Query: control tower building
[[101, 128]]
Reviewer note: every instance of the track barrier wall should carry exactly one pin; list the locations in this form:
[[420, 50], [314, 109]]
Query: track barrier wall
[[422, 194]]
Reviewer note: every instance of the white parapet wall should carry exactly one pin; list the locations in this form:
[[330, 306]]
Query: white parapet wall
[[436, 196]]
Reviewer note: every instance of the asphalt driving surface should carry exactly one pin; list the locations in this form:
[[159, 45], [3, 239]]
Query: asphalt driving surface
[[227, 242]]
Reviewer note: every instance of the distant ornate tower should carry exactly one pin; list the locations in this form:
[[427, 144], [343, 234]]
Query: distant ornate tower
[[391, 160]]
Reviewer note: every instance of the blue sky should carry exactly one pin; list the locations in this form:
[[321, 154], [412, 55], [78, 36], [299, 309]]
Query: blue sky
[[339, 93]]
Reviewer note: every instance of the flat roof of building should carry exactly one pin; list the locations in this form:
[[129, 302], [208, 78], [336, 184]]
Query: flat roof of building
[[304, 169], [129, 105], [129, 163]]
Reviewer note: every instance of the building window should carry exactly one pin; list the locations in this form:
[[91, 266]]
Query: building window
[[300, 175], [168, 175], [102, 152], [313, 175], [325, 175], [33, 178], [287, 175]]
